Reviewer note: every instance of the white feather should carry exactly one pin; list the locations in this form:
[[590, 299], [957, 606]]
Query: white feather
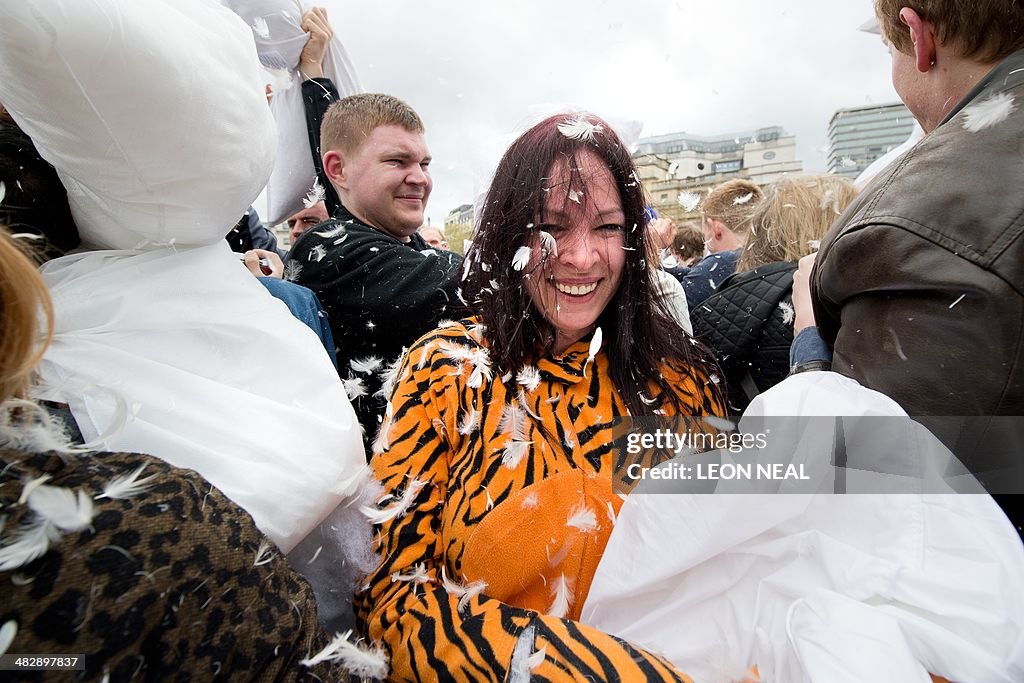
[[989, 112], [529, 377], [315, 195], [611, 512], [595, 346], [399, 508], [548, 243], [530, 502], [743, 199], [129, 486], [582, 518], [3, 193], [521, 258], [464, 592], [513, 422], [390, 376], [333, 232], [469, 423], [66, 509], [8, 630], [260, 28], [787, 312], [575, 196], [562, 591], [689, 200], [263, 554], [514, 453], [359, 660], [366, 365], [30, 542], [30, 486], [579, 129], [418, 575], [292, 270], [317, 253], [354, 387], [481, 367]]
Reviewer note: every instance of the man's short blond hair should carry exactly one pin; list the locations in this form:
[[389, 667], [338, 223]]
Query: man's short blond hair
[[348, 121], [733, 203], [985, 30]]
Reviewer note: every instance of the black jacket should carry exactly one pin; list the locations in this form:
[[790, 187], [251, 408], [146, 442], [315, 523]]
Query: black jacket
[[380, 295], [748, 323]]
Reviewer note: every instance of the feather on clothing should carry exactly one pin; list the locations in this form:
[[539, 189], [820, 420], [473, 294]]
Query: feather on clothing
[[488, 517]]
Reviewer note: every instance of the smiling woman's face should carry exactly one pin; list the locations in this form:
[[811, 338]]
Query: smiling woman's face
[[572, 289]]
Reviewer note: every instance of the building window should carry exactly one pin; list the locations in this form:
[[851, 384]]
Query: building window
[[728, 166]]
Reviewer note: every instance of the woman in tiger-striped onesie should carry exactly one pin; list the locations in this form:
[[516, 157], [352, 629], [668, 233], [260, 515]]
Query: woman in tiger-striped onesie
[[496, 451]]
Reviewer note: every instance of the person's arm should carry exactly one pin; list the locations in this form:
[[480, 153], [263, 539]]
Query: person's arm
[[318, 93], [808, 351], [703, 278], [422, 625]]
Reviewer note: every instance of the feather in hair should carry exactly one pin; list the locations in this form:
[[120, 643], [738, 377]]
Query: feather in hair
[[989, 112], [745, 199], [464, 592], [398, 508], [579, 128], [31, 541], [561, 589], [521, 258], [548, 243], [316, 195], [575, 196], [128, 486], [361, 661]]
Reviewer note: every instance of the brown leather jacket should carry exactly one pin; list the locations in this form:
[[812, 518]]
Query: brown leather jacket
[[919, 286]]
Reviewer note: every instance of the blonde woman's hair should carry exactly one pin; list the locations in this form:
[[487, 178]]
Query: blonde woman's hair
[[23, 296], [796, 213], [733, 203]]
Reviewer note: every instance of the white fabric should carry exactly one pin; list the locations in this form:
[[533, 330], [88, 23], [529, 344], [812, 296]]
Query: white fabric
[[883, 162], [822, 588], [280, 48], [195, 126], [181, 348], [153, 113], [669, 288]]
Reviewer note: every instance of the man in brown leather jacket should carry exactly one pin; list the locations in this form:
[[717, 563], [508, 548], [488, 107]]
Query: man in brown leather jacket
[[919, 286]]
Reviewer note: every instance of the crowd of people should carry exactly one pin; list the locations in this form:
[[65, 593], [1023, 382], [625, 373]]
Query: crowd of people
[[432, 487]]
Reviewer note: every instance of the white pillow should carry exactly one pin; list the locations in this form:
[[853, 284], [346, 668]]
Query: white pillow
[[158, 141]]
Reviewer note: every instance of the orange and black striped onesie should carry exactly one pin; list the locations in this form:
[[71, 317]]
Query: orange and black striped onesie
[[499, 505]]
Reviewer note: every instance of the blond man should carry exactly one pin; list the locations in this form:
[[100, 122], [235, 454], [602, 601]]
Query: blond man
[[378, 280]]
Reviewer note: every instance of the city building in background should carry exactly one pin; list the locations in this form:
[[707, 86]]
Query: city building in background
[[859, 135], [458, 227], [677, 169]]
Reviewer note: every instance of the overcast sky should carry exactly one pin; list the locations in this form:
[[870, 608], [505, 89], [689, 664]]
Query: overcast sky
[[479, 73]]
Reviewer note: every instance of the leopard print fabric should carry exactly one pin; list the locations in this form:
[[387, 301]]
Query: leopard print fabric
[[175, 583]]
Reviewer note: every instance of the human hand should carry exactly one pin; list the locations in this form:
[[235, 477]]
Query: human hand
[[261, 262], [662, 232], [311, 61], [804, 312]]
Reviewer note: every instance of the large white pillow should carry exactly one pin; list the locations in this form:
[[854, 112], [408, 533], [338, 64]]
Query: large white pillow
[[176, 162]]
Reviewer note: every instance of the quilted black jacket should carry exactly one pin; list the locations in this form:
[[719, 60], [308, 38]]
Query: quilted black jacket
[[748, 323]]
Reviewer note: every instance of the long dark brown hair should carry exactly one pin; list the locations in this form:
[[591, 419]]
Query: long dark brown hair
[[640, 336]]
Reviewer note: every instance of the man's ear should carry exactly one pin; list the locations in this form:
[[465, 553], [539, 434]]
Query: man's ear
[[922, 34], [334, 168]]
